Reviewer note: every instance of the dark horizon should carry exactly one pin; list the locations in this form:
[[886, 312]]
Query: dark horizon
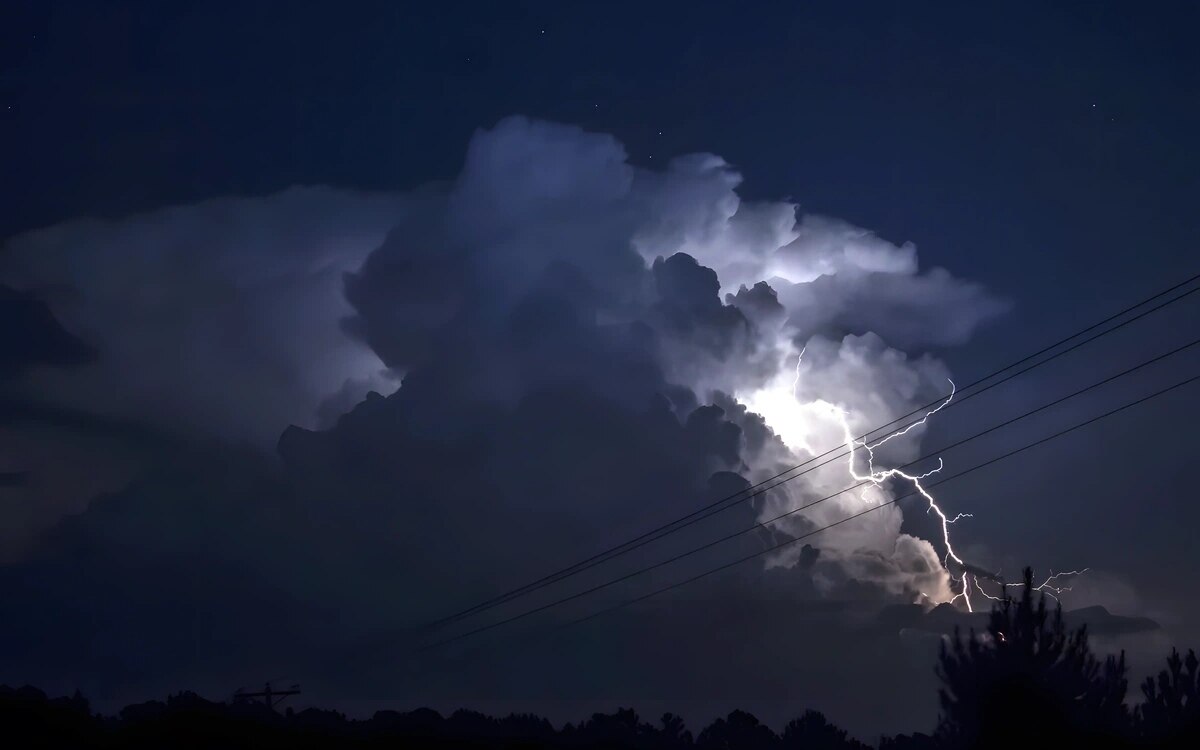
[[1062, 693]]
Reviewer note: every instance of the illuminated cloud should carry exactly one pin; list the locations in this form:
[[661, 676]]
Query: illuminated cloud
[[221, 318], [553, 260], [549, 282]]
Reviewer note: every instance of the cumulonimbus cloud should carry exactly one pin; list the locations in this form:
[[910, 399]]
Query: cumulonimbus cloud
[[550, 262], [548, 221]]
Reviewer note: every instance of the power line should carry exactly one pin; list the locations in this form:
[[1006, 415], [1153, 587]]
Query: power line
[[736, 498], [747, 558], [740, 496], [765, 524]]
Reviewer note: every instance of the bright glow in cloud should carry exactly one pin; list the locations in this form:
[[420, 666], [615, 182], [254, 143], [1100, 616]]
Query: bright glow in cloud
[[810, 424], [554, 261]]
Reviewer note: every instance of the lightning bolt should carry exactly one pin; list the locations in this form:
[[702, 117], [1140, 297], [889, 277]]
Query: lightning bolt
[[969, 577], [1054, 577], [799, 359], [796, 397], [1050, 587], [878, 476], [984, 593]]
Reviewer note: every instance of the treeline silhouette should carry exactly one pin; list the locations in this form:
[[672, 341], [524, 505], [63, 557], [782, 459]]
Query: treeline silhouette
[[1026, 682]]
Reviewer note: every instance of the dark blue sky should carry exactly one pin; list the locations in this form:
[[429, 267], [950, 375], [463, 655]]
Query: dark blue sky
[[1047, 152], [992, 138]]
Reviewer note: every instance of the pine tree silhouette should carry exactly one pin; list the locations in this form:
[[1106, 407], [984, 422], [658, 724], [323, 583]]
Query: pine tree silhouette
[[1170, 714], [1029, 680]]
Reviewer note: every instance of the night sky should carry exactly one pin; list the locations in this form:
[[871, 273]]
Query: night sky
[[320, 321]]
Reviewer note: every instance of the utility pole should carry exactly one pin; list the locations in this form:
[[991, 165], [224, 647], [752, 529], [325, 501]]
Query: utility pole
[[271, 698]]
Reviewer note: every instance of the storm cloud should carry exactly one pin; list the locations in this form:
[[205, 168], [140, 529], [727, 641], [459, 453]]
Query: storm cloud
[[220, 318], [469, 385]]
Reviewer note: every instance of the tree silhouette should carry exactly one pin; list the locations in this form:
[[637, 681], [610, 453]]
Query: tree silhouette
[[1171, 712], [673, 733], [620, 729], [47, 722], [813, 732], [915, 741], [1028, 680], [738, 731]]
